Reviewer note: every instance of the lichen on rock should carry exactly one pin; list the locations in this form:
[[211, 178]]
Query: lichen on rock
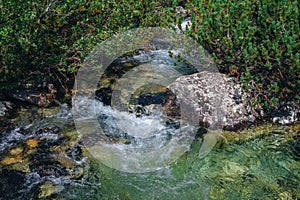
[[213, 99]]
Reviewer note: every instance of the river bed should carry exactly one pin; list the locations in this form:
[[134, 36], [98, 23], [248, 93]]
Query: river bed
[[44, 156], [40, 162]]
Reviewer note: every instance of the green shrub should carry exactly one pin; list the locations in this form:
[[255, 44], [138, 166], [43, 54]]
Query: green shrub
[[47, 40], [256, 41]]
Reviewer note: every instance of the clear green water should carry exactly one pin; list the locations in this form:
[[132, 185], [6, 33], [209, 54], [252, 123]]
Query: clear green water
[[265, 167], [262, 163]]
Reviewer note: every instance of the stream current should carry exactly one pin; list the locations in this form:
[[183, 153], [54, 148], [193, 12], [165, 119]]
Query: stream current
[[44, 157]]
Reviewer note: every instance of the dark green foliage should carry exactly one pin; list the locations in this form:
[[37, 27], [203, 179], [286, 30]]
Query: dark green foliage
[[255, 41], [42, 40]]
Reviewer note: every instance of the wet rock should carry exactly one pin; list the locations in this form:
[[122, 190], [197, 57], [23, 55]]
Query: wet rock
[[286, 113], [44, 162], [104, 95], [48, 188], [17, 158], [140, 110], [16, 151], [111, 75], [56, 156], [171, 106], [75, 152], [149, 94], [32, 142], [209, 99], [13, 156], [9, 160], [22, 166], [48, 130], [232, 169], [8, 111], [40, 154], [49, 168], [41, 99]]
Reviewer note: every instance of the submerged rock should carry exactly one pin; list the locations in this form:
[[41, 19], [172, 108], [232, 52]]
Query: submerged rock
[[45, 154], [149, 94], [286, 113], [110, 76], [209, 99], [48, 188]]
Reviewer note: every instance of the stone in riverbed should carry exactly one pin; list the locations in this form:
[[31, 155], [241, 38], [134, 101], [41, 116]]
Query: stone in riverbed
[[48, 188], [209, 99], [7, 111], [286, 113], [41, 99]]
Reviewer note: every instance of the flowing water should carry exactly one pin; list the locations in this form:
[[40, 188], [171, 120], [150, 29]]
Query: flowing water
[[44, 157], [264, 166]]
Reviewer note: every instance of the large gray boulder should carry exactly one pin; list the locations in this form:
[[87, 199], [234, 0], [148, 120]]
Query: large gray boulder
[[209, 99]]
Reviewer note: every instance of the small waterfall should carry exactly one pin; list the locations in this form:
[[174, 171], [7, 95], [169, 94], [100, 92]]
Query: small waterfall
[[123, 140], [134, 144]]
